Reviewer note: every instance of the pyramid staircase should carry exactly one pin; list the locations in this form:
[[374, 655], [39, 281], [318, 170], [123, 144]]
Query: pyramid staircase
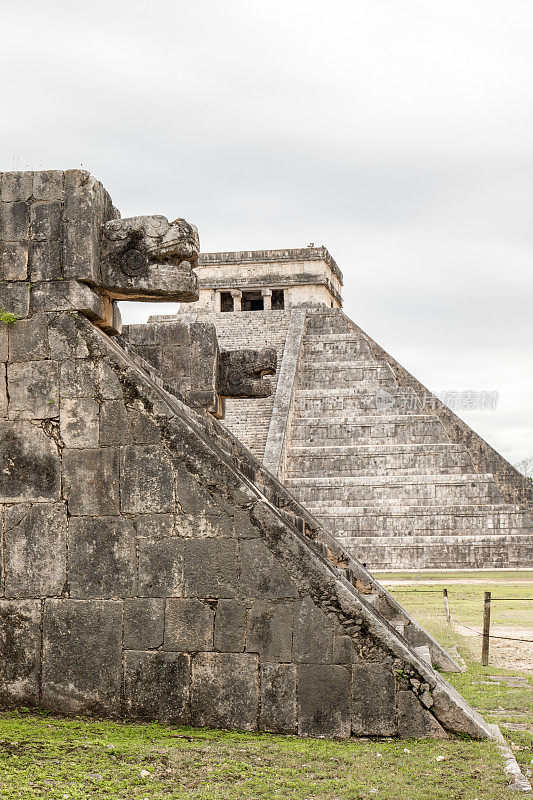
[[380, 472]]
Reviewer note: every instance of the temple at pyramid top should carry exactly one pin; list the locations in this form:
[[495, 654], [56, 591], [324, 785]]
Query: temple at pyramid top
[[257, 280]]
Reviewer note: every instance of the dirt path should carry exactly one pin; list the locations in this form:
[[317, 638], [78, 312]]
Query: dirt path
[[505, 652]]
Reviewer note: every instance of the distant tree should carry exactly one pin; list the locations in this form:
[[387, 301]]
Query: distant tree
[[525, 466]]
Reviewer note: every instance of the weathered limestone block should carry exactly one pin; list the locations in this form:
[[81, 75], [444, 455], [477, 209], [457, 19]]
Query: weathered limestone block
[[44, 260], [414, 721], [45, 220], [279, 708], [91, 481], [33, 390], [67, 295], [78, 422], [225, 691], [13, 261], [150, 257], [146, 481], [160, 566], [15, 297], [230, 626], [48, 185], [262, 576], [241, 372], [78, 378], [14, 221], [269, 631], [29, 463], [35, 549], [323, 701], [102, 557], [144, 623], [373, 707], [157, 686], [211, 568], [188, 625], [313, 634], [20, 652], [16, 186], [82, 662], [121, 426], [28, 339]]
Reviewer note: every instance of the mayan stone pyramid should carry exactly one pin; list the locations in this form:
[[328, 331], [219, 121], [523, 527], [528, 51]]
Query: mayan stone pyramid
[[151, 566], [398, 478]]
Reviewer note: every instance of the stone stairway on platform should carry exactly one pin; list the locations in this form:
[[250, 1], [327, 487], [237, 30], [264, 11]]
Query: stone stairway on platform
[[380, 472]]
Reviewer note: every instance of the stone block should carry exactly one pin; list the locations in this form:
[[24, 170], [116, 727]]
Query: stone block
[[29, 464], [313, 634], [14, 222], [4, 349], [373, 703], [157, 686], [91, 481], [48, 185], [20, 652], [3, 390], [28, 339], [414, 721], [211, 568], [16, 186], [78, 421], [67, 295], [44, 259], [78, 378], [102, 557], [35, 549], [108, 382], [144, 623], [161, 567], [13, 261], [230, 626], [33, 390], [269, 631], [343, 650], [262, 576], [278, 698], [65, 339], [154, 526], [188, 625], [82, 659], [121, 426], [323, 701], [15, 298], [225, 691], [146, 480], [45, 220]]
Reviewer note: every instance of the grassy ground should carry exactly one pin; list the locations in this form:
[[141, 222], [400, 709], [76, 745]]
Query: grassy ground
[[47, 757]]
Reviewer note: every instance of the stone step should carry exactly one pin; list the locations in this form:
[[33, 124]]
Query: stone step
[[398, 625], [342, 374], [429, 520], [403, 429], [337, 347], [358, 400], [401, 459], [471, 488], [327, 323], [420, 552]]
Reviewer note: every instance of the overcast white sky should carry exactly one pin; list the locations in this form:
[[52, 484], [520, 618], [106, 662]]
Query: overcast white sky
[[398, 134]]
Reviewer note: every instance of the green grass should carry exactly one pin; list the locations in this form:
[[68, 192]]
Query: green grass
[[51, 757], [42, 756]]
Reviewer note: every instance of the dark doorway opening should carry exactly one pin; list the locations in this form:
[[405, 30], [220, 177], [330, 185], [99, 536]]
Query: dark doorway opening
[[252, 301], [226, 301], [278, 299]]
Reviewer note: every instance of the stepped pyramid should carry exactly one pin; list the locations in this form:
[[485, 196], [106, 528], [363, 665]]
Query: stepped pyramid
[[398, 478]]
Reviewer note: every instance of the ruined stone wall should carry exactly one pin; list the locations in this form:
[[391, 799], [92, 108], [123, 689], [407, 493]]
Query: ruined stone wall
[[144, 573]]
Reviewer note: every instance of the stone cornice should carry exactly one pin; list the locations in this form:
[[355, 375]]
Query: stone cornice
[[265, 256]]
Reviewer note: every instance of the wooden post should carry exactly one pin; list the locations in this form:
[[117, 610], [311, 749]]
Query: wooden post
[[486, 631], [446, 606]]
